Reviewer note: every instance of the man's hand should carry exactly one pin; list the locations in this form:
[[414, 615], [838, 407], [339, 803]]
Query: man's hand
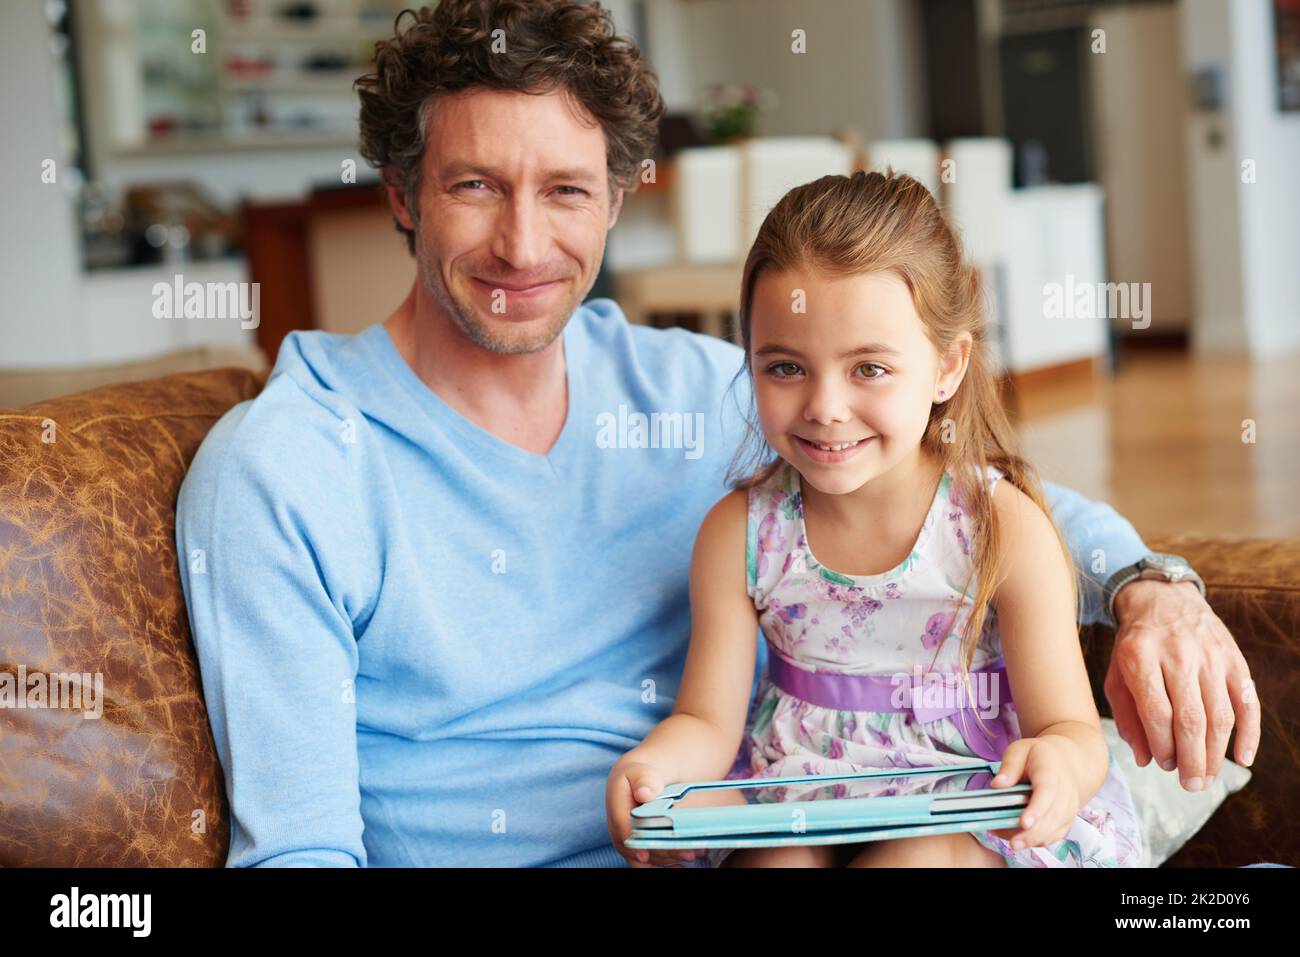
[[1177, 682]]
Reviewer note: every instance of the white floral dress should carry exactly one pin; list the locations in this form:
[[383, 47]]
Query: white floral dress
[[886, 624]]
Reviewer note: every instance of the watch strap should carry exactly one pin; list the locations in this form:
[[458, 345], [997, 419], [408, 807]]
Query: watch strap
[[1130, 573]]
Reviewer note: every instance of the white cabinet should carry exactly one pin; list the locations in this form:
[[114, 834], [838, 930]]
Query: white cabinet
[[1054, 273]]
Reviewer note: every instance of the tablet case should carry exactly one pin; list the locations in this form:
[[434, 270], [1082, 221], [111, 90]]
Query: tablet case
[[660, 824]]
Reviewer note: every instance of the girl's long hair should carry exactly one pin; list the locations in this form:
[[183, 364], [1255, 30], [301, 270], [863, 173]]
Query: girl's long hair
[[841, 226]]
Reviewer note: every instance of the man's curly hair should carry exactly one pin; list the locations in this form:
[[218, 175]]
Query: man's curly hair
[[549, 44]]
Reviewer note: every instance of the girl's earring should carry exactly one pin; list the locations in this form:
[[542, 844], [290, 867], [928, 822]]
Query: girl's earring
[[942, 393]]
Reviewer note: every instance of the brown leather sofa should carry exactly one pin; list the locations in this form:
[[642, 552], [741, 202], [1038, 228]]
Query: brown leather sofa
[[88, 583]]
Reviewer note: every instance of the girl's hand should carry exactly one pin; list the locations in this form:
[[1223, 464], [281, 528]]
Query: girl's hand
[[1047, 763], [633, 782]]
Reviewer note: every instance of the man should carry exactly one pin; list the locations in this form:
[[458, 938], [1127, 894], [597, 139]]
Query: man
[[444, 581]]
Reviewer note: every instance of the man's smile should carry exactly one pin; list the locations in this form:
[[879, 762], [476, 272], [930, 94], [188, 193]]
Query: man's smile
[[519, 291]]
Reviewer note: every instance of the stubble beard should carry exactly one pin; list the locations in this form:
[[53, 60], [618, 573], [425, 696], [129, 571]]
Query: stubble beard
[[513, 340]]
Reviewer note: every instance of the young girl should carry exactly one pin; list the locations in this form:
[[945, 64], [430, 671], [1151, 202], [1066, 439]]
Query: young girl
[[888, 527]]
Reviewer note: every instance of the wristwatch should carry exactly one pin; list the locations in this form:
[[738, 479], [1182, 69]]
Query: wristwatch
[[1157, 565]]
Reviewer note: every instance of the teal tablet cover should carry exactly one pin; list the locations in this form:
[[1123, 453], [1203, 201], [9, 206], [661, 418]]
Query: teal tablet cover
[[878, 804]]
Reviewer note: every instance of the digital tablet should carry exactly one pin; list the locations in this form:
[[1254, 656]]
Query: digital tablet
[[829, 808]]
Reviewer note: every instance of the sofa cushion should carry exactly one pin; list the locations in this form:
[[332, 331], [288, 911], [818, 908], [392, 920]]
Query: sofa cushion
[[1169, 814], [89, 587]]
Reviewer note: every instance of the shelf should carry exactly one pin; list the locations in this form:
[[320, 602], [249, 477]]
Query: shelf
[[216, 112], [339, 84], [183, 143], [323, 30]]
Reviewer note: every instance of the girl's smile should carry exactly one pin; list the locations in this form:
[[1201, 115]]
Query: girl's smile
[[826, 453]]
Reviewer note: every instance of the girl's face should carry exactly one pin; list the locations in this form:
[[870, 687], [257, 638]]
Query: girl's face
[[844, 388]]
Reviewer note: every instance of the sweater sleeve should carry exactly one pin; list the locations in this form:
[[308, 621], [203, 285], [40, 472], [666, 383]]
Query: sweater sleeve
[[1101, 542], [257, 521]]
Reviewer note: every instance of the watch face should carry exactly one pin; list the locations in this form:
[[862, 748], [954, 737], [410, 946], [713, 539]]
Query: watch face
[[1159, 561]]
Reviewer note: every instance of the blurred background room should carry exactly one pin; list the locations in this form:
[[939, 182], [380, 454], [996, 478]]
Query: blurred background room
[[1147, 152]]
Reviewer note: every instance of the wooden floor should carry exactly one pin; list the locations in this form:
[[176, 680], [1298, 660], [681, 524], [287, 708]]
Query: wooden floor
[[1161, 441]]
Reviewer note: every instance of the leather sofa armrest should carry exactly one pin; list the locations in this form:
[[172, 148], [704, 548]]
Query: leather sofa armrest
[[1253, 585]]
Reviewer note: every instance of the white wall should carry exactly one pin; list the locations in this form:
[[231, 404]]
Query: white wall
[[1140, 104], [39, 258], [900, 68], [862, 67], [1270, 207], [1245, 236]]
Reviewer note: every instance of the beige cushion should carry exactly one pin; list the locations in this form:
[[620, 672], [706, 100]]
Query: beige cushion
[[1170, 815]]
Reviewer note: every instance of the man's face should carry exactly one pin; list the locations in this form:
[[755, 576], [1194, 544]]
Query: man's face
[[514, 207]]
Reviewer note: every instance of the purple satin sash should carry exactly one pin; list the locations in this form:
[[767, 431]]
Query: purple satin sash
[[904, 692]]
